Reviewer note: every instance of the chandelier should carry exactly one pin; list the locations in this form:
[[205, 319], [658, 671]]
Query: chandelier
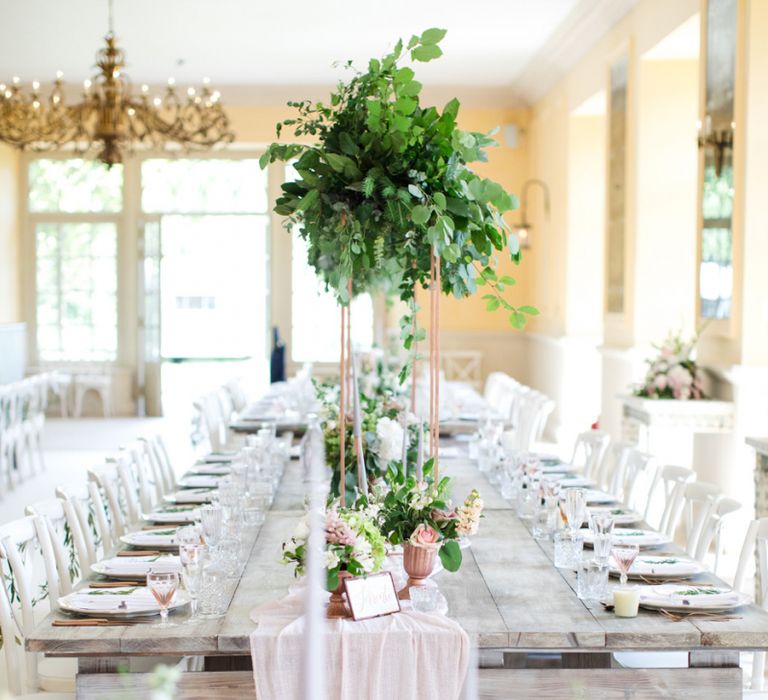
[[110, 121]]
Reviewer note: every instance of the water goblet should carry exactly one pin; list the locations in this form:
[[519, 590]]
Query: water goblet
[[163, 586], [625, 556], [575, 508], [192, 558], [212, 522]]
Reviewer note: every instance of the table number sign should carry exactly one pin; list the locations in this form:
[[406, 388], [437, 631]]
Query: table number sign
[[371, 596]]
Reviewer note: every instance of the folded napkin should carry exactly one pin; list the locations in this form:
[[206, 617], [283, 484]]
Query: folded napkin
[[628, 535], [140, 565], [696, 596], [197, 482], [187, 514], [665, 566], [152, 538], [132, 599], [596, 496], [193, 496], [208, 468]]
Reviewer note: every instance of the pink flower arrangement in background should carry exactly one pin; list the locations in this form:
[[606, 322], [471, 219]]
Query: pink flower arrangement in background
[[673, 374]]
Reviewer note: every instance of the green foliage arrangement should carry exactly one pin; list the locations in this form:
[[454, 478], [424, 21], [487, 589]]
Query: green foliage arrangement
[[387, 181]]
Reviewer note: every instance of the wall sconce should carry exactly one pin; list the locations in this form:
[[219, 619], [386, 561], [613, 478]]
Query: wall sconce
[[523, 229], [719, 141]]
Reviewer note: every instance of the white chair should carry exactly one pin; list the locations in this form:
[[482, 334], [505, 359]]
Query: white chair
[[114, 522], [700, 500], [755, 539], [15, 656], [98, 380], [463, 366], [609, 474], [636, 473], [65, 540], [19, 541], [81, 510], [711, 531], [674, 480], [593, 445], [156, 446]]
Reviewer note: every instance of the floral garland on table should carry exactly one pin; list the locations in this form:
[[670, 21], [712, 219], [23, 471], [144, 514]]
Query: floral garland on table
[[674, 374], [421, 513], [353, 543]]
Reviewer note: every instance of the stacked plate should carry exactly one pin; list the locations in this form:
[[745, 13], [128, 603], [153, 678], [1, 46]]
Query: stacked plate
[[661, 567], [629, 535], [204, 495], [117, 603], [152, 539], [621, 516], [199, 482], [691, 598], [596, 496], [173, 514], [136, 567]]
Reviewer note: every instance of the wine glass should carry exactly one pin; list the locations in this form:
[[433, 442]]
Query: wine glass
[[192, 558], [212, 522], [601, 525], [575, 508], [163, 586], [625, 556]]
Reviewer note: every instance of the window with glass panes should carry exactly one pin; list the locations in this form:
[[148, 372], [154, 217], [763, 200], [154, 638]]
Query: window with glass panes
[[74, 207]]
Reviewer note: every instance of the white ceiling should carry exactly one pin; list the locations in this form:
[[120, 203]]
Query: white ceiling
[[490, 43]]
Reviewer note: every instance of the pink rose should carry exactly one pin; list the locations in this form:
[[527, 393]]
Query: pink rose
[[425, 536], [441, 516]]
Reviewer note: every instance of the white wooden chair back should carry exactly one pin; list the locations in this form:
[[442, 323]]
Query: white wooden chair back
[[756, 539], [592, 444], [13, 644], [612, 466], [129, 490], [212, 422], [711, 531], [157, 470], [238, 394], [674, 480], [6, 442], [149, 487], [493, 387], [464, 366], [700, 500], [164, 460], [637, 473], [115, 523], [80, 512], [62, 540], [20, 542]]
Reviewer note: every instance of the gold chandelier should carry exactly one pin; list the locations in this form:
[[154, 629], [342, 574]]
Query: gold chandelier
[[109, 121]]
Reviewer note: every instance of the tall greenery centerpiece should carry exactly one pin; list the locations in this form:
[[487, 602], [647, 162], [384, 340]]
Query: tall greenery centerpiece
[[386, 183], [386, 200]]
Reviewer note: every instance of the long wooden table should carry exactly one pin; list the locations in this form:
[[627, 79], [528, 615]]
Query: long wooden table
[[508, 596]]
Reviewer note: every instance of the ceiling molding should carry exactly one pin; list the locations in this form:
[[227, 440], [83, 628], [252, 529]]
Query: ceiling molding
[[587, 23]]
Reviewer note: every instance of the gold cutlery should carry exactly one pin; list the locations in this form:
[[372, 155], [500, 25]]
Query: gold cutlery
[[138, 553]]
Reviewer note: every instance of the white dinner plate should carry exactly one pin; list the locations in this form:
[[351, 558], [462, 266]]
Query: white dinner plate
[[173, 514], [571, 481], [136, 567], [678, 597], [630, 535], [191, 496], [621, 516], [649, 566], [208, 469], [596, 496], [151, 539], [117, 602], [199, 482]]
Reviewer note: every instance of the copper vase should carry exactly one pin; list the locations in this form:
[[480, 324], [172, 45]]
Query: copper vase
[[418, 563], [337, 607]]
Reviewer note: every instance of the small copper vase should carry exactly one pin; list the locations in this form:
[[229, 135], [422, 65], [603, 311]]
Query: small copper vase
[[418, 563], [337, 607]]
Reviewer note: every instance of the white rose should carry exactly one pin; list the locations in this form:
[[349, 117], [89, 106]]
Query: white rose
[[390, 435], [302, 530], [331, 559]]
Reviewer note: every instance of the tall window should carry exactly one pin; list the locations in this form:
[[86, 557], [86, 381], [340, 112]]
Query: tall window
[[74, 206], [315, 325]]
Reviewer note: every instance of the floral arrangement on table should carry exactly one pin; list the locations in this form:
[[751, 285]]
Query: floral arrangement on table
[[384, 189], [353, 544], [419, 513], [673, 373], [382, 432]]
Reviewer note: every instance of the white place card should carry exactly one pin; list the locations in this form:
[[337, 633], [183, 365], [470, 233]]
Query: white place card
[[371, 596]]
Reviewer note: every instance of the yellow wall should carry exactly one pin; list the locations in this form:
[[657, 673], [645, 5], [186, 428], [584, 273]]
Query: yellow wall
[[10, 310]]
